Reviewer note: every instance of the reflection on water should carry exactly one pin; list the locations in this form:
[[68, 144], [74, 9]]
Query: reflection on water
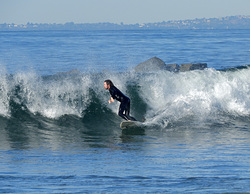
[[68, 155]]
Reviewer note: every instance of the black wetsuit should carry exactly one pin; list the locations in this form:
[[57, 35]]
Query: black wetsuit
[[125, 103]]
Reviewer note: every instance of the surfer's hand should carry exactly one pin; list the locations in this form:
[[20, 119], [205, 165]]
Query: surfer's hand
[[111, 100]]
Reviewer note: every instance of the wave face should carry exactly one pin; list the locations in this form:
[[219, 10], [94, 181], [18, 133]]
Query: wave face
[[159, 97]]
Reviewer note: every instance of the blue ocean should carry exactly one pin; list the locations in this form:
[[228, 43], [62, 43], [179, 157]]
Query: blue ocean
[[59, 134]]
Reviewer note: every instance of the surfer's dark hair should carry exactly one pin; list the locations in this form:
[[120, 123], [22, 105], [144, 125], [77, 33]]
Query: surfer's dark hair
[[109, 82]]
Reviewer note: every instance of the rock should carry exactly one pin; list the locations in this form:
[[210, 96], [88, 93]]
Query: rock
[[193, 66], [173, 67], [156, 64], [153, 64]]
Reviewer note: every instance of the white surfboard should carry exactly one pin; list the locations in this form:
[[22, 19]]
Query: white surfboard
[[130, 124]]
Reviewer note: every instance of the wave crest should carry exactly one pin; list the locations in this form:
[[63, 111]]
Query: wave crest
[[160, 97]]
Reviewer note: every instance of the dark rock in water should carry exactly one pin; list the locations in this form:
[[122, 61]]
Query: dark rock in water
[[156, 64], [153, 64], [236, 68], [173, 67], [193, 66]]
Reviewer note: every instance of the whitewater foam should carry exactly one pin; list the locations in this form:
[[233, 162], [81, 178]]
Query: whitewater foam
[[52, 98], [4, 94], [198, 93], [166, 96]]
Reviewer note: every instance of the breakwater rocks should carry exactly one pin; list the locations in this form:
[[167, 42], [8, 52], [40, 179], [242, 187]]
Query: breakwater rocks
[[156, 64]]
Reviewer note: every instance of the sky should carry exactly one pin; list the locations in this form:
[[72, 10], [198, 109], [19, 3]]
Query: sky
[[117, 11]]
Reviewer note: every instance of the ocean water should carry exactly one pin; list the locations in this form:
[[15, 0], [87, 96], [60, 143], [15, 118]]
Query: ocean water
[[58, 134]]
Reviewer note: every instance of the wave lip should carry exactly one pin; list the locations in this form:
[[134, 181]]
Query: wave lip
[[160, 97]]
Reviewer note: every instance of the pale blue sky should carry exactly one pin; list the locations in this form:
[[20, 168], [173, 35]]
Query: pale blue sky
[[116, 11]]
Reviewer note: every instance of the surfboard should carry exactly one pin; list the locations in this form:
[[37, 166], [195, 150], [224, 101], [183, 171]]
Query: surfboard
[[131, 124]]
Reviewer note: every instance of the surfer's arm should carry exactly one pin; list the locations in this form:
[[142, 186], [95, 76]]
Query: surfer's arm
[[113, 92], [111, 100]]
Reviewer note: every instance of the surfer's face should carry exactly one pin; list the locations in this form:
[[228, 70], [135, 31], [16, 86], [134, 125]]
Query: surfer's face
[[106, 86]]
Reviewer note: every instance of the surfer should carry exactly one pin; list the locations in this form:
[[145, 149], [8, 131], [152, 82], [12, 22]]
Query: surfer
[[116, 94]]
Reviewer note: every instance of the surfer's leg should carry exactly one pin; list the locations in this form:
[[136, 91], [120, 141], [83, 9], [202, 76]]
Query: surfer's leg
[[127, 108], [121, 111], [127, 111]]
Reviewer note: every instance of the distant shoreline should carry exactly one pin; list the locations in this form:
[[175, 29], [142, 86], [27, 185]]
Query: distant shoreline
[[230, 22]]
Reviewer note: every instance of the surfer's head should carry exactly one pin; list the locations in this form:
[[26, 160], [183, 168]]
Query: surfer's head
[[107, 84]]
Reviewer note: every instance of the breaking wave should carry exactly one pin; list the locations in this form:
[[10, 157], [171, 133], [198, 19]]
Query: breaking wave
[[160, 97]]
